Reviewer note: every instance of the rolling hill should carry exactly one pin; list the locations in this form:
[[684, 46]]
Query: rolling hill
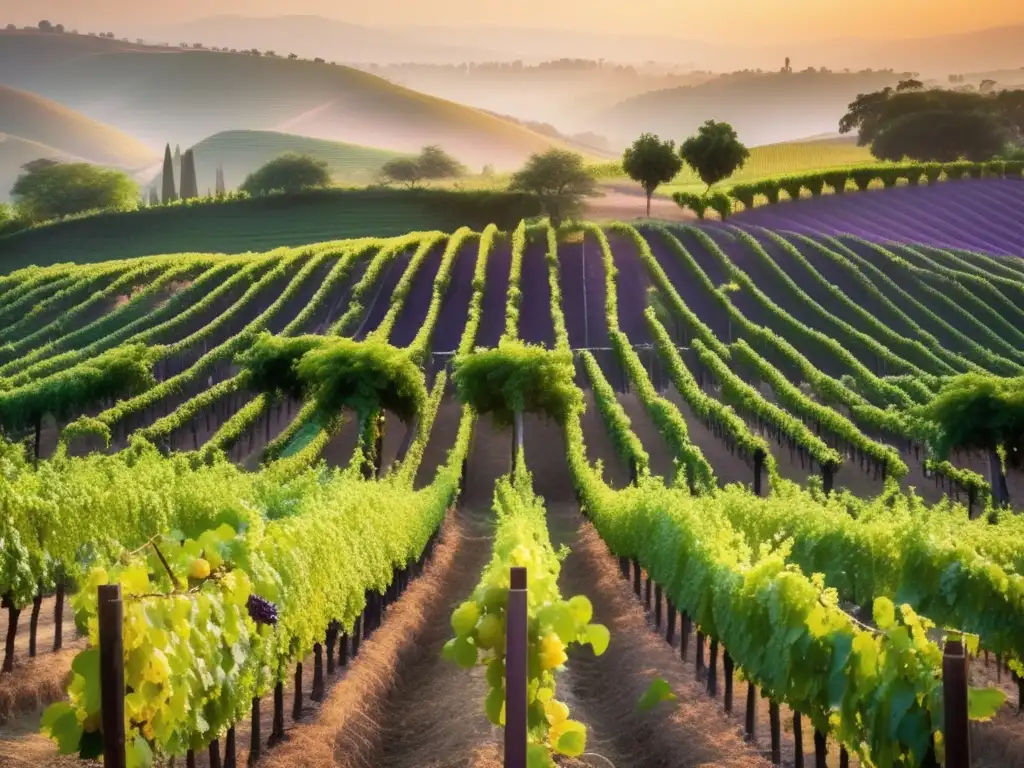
[[242, 152], [183, 96], [764, 108], [32, 127]]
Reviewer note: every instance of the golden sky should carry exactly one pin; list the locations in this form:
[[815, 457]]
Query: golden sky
[[739, 21]]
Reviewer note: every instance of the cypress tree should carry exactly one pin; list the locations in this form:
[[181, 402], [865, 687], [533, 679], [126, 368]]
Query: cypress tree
[[169, 193], [154, 198], [189, 184], [220, 181]]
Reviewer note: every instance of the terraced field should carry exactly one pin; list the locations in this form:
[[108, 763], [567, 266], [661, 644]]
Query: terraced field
[[728, 415]]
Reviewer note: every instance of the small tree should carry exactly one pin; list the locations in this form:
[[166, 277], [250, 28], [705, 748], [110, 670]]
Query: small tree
[[220, 187], [59, 29], [435, 163], [651, 162], [402, 170], [64, 189], [189, 183], [987, 86], [559, 180], [45, 26], [909, 85], [290, 172], [169, 190], [715, 152]]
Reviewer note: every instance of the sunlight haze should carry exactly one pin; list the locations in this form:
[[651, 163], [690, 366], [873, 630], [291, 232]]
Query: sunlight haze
[[743, 21]]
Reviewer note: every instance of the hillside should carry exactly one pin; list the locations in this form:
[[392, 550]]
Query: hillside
[[242, 152], [764, 108], [183, 96], [14, 153]]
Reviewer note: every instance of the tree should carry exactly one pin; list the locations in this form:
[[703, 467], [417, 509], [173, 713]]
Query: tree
[[559, 180], [941, 136], [963, 124], [909, 85], [402, 170], [293, 56], [219, 187], [154, 198], [64, 189], [45, 26], [59, 29], [189, 184], [435, 163], [715, 152], [12, 28], [288, 173], [651, 162], [170, 193], [987, 86], [40, 164]]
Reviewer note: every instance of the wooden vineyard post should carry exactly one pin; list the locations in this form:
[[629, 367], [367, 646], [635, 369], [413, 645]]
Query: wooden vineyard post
[[727, 669], [798, 739], [254, 733], [776, 731], [111, 618], [751, 724], [758, 470], [954, 688], [516, 642]]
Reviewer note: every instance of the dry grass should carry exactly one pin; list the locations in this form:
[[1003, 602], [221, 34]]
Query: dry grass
[[35, 683], [604, 690], [390, 700]]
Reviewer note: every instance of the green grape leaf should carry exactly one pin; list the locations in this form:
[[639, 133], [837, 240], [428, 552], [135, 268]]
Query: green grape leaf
[[582, 609], [901, 698], [139, 754], [87, 665], [599, 637], [537, 756], [983, 703], [448, 652], [494, 706], [842, 646], [560, 618], [657, 692], [60, 724], [496, 673], [572, 742]]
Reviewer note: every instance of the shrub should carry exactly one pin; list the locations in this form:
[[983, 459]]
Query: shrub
[[744, 193], [995, 169], [976, 170], [721, 204], [913, 173], [814, 183], [837, 180], [957, 170], [1014, 169], [52, 190], [792, 185], [770, 189], [890, 176], [932, 172], [863, 177], [290, 172], [696, 203]]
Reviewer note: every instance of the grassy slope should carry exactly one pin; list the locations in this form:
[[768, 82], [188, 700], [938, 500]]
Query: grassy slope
[[770, 160], [34, 118], [242, 152], [764, 108], [257, 224], [183, 96]]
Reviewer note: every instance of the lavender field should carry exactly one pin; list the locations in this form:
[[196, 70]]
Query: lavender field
[[984, 215]]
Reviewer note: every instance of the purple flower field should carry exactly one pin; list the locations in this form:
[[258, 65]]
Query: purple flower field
[[984, 215]]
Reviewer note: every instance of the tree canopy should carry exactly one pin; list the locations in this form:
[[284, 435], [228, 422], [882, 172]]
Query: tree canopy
[[50, 190], [288, 173], [432, 164], [935, 125], [559, 179], [715, 152], [651, 162]]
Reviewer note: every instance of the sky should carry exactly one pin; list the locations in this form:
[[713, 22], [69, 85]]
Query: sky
[[739, 21]]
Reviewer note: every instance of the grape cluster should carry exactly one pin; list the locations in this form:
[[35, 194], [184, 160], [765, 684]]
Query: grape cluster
[[262, 611]]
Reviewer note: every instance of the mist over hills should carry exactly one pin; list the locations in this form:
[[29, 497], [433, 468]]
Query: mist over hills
[[998, 48]]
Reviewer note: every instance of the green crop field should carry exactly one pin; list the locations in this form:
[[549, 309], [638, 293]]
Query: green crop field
[[242, 152]]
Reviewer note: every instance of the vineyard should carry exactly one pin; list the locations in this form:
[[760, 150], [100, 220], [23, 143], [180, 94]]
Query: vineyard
[[718, 451]]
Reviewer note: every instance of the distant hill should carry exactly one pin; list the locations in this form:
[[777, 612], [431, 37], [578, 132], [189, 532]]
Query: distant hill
[[32, 127], [764, 108], [242, 152], [183, 96]]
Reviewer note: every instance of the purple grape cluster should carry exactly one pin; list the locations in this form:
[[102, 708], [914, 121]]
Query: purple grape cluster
[[262, 611]]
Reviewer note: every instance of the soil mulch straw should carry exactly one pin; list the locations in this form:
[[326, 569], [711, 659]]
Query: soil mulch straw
[[693, 731], [401, 704]]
